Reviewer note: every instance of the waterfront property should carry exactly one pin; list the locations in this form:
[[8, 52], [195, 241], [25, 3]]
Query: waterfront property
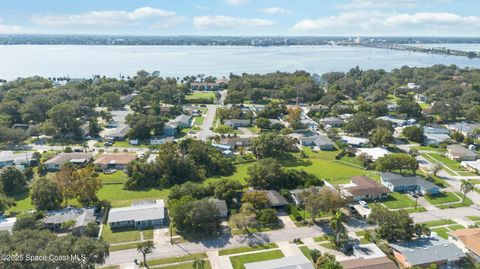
[[139, 215]]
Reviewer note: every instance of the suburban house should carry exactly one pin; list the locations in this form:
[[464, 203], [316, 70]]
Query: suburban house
[[472, 166], [114, 160], [400, 183], [10, 158], [420, 97], [458, 153], [368, 256], [331, 122], [170, 129], [435, 139], [76, 158], [151, 158], [426, 251], [119, 117], [183, 121], [117, 134], [309, 123], [6, 224], [466, 128], [395, 121], [235, 142], [221, 206], [275, 199], [235, 123], [374, 153], [468, 240], [435, 129], [139, 215], [297, 194], [78, 217], [289, 262], [160, 140], [364, 188], [204, 86], [322, 142], [356, 142], [276, 122]]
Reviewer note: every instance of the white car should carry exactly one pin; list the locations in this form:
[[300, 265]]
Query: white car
[[363, 203]]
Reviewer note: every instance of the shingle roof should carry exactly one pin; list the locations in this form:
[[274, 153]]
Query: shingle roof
[[428, 250], [290, 262], [62, 158], [185, 119], [275, 198], [138, 212], [118, 158], [374, 263], [81, 216], [470, 238], [366, 185], [400, 180], [458, 150]]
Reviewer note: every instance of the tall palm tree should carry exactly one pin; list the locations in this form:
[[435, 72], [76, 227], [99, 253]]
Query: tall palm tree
[[198, 263], [466, 187], [145, 247], [336, 223]]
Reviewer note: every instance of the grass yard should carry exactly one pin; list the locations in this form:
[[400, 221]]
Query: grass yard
[[306, 252], [395, 201], [126, 144], [119, 236], [442, 198], [239, 261], [474, 218], [23, 203], [453, 165], [468, 202], [329, 245], [117, 177], [428, 148], [246, 249], [456, 227], [169, 260], [441, 222], [200, 97], [199, 120], [188, 265], [123, 246], [121, 198], [442, 232]]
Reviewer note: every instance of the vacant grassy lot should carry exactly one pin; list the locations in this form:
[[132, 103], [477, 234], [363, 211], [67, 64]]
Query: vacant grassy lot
[[120, 197], [442, 198], [246, 249], [200, 97], [453, 165], [117, 177], [126, 144], [239, 261], [119, 236]]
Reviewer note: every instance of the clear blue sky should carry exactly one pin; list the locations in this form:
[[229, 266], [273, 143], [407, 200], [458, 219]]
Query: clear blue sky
[[243, 17]]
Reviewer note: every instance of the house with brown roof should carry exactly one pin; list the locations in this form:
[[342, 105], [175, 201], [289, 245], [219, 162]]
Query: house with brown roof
[[468, 240], [364, 188], [114, 160], [459, 153], [368, 256], [76, 158]]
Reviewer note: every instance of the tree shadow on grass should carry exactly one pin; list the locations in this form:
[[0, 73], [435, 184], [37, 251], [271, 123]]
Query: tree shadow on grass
[[288, 160]]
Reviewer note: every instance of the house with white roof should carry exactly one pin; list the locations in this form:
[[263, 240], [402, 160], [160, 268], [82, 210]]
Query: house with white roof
[[353, 141], [139, 215], [289, 262], [374, 153], [24, 159]]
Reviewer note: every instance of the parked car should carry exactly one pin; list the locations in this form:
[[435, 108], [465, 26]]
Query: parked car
[[363, 203], [413, 194]]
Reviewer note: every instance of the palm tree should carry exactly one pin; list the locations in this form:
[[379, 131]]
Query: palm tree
[[466, 187], [145, 247], [198, 263], [336, 223]]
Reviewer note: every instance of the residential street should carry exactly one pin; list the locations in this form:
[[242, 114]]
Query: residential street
[[205, 133]]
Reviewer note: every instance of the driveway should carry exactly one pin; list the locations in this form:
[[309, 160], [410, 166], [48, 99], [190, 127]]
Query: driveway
[[286, 221]]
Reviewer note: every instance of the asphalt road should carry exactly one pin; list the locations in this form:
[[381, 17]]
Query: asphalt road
[[205, 133]]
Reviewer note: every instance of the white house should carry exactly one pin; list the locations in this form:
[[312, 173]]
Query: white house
[[139, 215], [374, 153]]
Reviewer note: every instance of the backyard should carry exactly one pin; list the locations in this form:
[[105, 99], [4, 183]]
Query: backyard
[[200, 97]]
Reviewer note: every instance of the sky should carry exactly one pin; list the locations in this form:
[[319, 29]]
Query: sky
[[243, 17]]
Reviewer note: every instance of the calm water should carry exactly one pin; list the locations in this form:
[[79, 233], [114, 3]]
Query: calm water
[[178, 61]]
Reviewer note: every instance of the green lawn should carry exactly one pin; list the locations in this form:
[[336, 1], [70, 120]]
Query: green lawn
[[467, 202], [442, 198], [441, 222], [200, 97], [169, 260], [456, 227], [199, 120], [123, 246], [395, 201], [121, 198], [246, 249], [306, 251], [428, 148], [23, 203], [117, 177], [454, 165], [442, 232], [329, 245], [188, 265], [474, 218], [126, 144], [119, 236], [239, 261]]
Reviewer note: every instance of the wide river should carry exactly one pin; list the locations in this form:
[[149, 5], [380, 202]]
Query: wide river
[[178, 61]]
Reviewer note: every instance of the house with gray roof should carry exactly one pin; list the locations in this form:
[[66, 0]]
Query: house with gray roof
[[118, 133], [466, 128], [275, 199], [221, 206], [400, 183], [332, 122], [297, 194], [235, 123], [80, 217], [322, 142], [139, 215], [424, 251], [458, 153], [76, 158], [289, 262], [183, 121], [10, 158]]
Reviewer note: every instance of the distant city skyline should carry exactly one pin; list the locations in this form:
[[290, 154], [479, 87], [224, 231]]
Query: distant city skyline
[[243, 17]]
